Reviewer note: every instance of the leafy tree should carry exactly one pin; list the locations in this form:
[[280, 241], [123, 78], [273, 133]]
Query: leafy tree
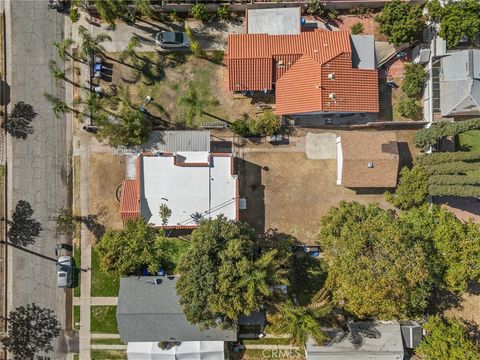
[[133, 128], [357, 28], [414, 80], [23, 229], [67, 222], [142, 7], [222, 274], [320, 8], [91, 45], [458, 20], [165, 213], [457, 167], [195, 47], [447, 157], [375, 267], [409, 108], [426, 137], [19, 120], [447, 339], [58, 106], [412, 189], [240, 127], [454, 180], [400, 21], [110, 10], [266, 124], [31, 329], [137, 245], [57, 73], [223, 13], [454, 190], [199, 11], [129, 52], [93, 106], [63, 47]]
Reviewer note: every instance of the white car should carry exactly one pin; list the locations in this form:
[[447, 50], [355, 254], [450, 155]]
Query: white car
[[65, 272]]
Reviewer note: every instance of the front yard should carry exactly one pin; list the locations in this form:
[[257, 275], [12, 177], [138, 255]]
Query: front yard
[[102, 283], [104, 319]]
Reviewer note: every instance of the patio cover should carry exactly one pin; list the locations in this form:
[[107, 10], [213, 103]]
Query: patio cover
[[187, 350]]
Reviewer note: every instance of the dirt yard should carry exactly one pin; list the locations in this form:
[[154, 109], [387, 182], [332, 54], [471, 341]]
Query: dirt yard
[[107, 171]]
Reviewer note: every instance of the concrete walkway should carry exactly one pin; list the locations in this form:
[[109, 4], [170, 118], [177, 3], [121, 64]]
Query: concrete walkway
[[105, 336], [108, 347], [98, 301]]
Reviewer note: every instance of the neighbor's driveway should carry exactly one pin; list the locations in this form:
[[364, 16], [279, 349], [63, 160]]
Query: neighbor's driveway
[[211, 36]]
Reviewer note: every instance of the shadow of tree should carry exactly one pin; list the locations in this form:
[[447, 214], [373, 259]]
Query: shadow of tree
[[19, 123], [23, 229], [442, 300], [93, 225]]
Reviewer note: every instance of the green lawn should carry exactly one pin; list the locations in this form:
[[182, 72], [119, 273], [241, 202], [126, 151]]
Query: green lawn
[[78, 265], [76, 356], [76, 317], [469, 141], [102, 283], [308, 277], [106, 342], [108, 354], [104, 319]]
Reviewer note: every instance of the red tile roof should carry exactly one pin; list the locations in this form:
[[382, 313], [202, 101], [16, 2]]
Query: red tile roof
[[299, 66], [130, 200]]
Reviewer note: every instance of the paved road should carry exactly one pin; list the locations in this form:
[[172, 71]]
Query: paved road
[[38, 165]]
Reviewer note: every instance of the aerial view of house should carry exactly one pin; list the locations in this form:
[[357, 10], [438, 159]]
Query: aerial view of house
[[205, 180]]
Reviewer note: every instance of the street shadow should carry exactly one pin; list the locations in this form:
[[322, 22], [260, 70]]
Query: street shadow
[[252, 189], [4, 93], [94, 226], [23, 229], [19, 122]]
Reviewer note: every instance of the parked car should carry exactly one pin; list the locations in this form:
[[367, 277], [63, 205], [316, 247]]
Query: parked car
[[172, 40], [65, 272]]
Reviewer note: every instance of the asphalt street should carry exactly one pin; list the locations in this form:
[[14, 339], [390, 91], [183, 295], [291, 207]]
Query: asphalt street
[[38, 171]]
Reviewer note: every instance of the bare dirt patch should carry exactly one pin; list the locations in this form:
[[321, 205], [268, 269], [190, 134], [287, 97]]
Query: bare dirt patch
[[107, 171]]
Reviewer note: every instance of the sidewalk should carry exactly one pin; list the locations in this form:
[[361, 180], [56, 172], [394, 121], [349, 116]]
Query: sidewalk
[[98, 301]]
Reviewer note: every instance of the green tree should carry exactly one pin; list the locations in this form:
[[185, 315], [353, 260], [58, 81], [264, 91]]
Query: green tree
[[235, 279], [199, 11], [57, 73], [412, 189], [91, 45], [447, 339], [458, 20], [454, 190], [414, 79], [375, 267], [67, 222], [457, 167], [240, 127], [195, 47], [110, 10], [63, 47], [357, 28], [447, 157], [129, 52], [126, 251], [409, 108], [142, 7], [400, 21], [31, 330], [132, 128], [264, 125], [426, 137], [454, 179], [223, 13], [58, 106], [165, 213]]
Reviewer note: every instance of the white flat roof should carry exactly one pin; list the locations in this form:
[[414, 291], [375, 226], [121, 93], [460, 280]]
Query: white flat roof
[[186, 190], [275, 21]]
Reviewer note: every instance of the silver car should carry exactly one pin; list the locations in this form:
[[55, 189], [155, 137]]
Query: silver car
[[172, 40], [65, 272]]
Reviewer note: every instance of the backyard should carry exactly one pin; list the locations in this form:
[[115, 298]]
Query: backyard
[[469, 141]]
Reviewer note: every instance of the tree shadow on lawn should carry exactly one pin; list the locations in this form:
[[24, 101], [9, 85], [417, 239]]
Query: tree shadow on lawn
[[307, 277]]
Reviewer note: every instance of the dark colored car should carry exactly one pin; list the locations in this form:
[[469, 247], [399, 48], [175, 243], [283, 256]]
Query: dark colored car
[[172, 40]]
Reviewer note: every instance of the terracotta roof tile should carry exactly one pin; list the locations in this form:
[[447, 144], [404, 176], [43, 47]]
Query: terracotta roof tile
[[130, 202]]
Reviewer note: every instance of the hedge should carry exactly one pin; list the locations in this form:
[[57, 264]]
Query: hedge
[[454, 180], [427, 137], [454, 190], [457, 167], [447, 157]]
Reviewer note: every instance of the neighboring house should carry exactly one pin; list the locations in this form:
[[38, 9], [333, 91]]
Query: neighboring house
[[192, 184], [387, 345], [460, 83], [367, 159], [149, 311], [317, 72]]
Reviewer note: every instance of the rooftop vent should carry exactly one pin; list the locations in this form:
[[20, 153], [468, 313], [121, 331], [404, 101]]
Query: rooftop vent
[[331, 76], [332, 96], [370, 165], [280, 63], [315, 50]]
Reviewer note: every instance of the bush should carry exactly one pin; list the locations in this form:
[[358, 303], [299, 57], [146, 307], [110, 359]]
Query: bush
[[195, 48], [357, 28], [454, 180], [412, 188], [319, 8], [74, 14], [414, 81], [427, 137], [446, 157], [222, 13], [199, 11], [400, 21], [454, 190], [451, 168], [409, 108], [240, 128], [266, 124]]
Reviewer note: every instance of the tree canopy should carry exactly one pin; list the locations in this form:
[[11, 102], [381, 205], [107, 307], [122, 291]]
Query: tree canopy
[[446, 339], [412, 189], [223, 275], [459, 20], [137, 245], [414, 79], [31, 329], [400, 21], [387, 265]]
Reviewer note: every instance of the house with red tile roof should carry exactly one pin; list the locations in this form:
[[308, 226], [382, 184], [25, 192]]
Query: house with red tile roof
[[315, 72]]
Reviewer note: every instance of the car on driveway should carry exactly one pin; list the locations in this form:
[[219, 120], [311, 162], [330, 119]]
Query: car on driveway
[[65, 272], [172, 40]]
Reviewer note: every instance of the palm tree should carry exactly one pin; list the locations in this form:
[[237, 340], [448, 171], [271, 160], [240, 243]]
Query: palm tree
[[129, 52], [58, 106], [143, 7], [195, 103], [57, 73], [93, 105], [90, 44], [109, 10], [63, 46]]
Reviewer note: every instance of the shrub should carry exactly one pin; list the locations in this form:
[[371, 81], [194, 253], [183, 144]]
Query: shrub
[[357, 28], [454, 180], [415, 77], [195, 48], [454, 190], [199, 11], [412, 188], [427, 137], [446, 157], [266, 124], [409, 108], [223, 13], [173, 16], [74, 14], [457, 167], [240, 128]]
